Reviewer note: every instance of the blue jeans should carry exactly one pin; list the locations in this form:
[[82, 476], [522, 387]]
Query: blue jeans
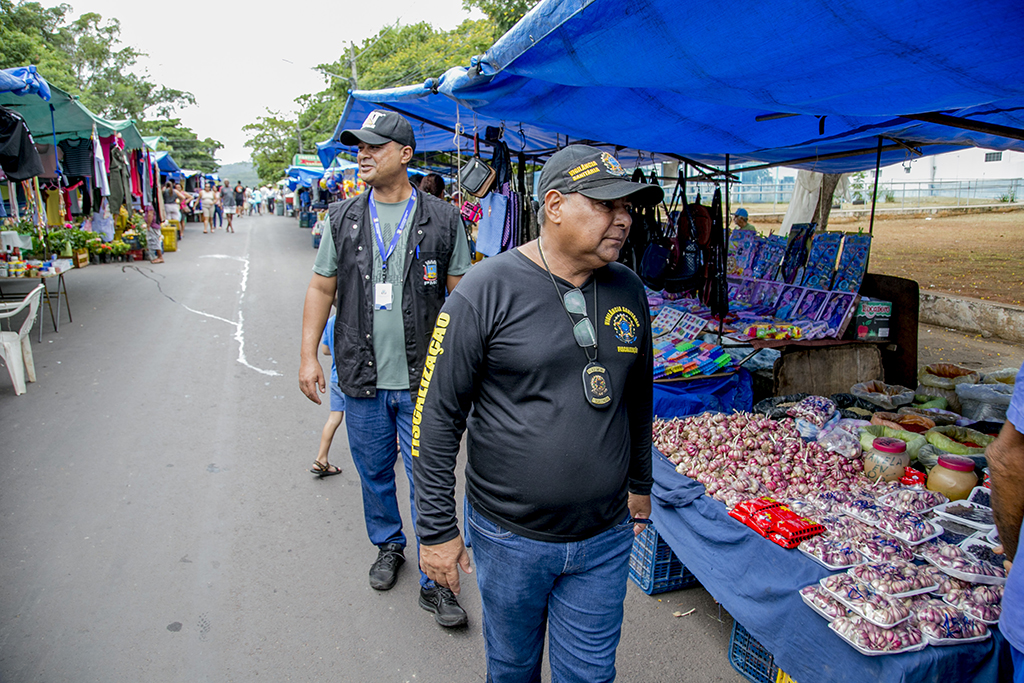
[[574, 589], [372, 425], [1018, 664]]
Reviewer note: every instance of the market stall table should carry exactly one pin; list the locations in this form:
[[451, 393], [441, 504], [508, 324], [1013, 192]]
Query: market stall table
[[61, 288], [758, 581]]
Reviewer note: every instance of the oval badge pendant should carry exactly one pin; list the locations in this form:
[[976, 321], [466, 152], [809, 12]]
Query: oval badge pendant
[[596, 385]]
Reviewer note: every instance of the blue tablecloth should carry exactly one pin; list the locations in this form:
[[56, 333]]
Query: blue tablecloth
[[717, 394], [757, 582]]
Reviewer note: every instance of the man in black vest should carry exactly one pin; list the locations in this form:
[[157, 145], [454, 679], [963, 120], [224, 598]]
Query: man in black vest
[[389, 256]]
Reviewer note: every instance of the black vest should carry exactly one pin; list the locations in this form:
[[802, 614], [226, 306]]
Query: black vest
[[428, 251]]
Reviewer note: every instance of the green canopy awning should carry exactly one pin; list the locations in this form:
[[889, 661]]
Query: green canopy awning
[[71, 119]]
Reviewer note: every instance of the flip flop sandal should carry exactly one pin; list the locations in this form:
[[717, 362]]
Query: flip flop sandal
[[322, 470]]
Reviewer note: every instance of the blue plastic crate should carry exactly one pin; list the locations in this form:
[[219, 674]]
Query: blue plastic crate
[[751, 659], [654, 567]]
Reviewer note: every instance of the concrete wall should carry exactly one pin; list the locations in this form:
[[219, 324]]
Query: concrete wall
[[973, 315]]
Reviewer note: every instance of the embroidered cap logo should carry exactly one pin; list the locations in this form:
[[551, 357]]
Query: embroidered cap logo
[[373, 118]]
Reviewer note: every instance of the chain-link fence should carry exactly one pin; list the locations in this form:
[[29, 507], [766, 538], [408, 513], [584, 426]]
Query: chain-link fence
[[770, 197]]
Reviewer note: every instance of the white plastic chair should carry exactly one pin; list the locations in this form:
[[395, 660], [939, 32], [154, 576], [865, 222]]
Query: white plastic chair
[[15, 347]]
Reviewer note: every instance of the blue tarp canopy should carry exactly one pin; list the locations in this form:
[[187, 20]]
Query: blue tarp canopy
[[59, 115], [303, 176], [24, 80], [434, 118], [826, 79], [165, 162]]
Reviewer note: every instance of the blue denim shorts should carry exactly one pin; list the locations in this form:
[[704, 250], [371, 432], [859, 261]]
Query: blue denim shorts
[[337, 399]]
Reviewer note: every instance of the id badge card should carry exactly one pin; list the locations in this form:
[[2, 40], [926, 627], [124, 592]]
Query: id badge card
[[382, 296]]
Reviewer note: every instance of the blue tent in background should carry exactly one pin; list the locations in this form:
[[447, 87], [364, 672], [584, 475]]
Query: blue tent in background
[[806, 84], [165, 162]]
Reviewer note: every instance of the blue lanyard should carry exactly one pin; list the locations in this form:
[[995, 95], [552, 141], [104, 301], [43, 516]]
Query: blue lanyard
[[399, 229]]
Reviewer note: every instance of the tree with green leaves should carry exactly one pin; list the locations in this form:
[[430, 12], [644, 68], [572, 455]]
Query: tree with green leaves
[[502, 14], [84, 57], [185, 147]]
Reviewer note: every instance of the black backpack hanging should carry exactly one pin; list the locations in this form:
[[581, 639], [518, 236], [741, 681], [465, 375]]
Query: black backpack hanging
[[688, 260], [657, 255]]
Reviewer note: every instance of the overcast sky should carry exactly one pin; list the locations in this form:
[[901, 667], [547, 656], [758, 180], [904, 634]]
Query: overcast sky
[[189, 43]]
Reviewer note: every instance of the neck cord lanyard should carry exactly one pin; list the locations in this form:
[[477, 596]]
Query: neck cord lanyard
[[561, 298], [385, 254]]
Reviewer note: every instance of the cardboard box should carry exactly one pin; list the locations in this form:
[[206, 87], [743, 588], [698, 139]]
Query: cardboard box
[[871, 320]]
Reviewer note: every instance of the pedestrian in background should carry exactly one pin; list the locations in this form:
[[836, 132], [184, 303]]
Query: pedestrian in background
[[208, 201], [154, 236], [227, 202], [432, 183], [558, 468], [322, 466], [389, 256], [218, 209]]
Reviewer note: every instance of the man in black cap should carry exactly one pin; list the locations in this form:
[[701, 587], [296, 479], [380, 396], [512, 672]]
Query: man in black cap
[[388, 256], [544, 354]]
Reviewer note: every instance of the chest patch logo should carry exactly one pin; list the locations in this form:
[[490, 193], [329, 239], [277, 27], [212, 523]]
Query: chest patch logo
[[430, 272], [624, 324]]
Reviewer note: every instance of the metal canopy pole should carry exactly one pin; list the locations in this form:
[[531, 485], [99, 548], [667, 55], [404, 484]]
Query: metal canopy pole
[[723, 306], [874, 193]]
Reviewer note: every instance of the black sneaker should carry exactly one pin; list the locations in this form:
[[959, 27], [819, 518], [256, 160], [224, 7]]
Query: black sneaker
[[384, 570], [442, 603]]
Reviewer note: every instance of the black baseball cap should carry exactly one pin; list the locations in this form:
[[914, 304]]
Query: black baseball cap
[[381, 126], [594, 174]]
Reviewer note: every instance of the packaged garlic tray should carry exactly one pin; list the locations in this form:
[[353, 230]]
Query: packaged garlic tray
[[913, 500], [823, 603], [897, 579], [984, 603], [883, 548], [872, 641], [957, 563], [832, 554], [909, 527], [877, 609]]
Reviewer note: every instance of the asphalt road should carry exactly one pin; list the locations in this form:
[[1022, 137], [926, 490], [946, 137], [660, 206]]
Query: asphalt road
[[158, 521]]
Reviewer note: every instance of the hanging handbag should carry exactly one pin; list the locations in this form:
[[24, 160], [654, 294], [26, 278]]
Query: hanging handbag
[[687, 260], [476, 177]]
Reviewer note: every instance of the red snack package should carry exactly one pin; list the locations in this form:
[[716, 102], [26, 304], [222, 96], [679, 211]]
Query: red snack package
[[779, 539], [913, 478], [745, 511]]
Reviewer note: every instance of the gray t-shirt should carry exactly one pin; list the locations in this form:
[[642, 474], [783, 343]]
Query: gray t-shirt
[[388, 327]]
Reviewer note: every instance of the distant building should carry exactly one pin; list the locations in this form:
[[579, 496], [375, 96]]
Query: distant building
[[968, 164]]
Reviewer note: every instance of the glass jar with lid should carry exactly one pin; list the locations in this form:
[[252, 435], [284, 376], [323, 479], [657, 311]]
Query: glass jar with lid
[[953, 476], [887, 458]]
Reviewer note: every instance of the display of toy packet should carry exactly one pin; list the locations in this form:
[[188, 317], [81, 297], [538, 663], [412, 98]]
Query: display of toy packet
[[836, 312], [764, 295], [675, 360], [786, 304], [810, 305], [741, 291], [796, 253], [821, 261], [743, 248], [769, 257], [666, 321], [771, 331], [852, 263]]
